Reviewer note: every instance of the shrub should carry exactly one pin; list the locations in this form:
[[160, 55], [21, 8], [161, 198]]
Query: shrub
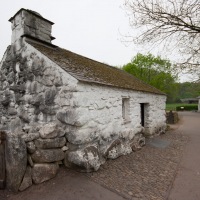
[[187, 107]]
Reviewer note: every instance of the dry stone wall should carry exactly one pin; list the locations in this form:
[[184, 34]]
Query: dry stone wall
[[32, 91], [51, 119]]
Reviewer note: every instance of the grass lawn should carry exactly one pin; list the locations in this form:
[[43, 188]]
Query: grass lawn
[[174, 105]]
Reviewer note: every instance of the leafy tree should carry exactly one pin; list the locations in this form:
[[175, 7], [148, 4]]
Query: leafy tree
[[176, 22], [155, 71], [188, 90]]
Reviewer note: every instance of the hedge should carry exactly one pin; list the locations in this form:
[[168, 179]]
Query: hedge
[[187, 107]]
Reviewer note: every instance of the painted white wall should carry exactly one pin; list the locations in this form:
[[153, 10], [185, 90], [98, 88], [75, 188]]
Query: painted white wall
[[99, 111]]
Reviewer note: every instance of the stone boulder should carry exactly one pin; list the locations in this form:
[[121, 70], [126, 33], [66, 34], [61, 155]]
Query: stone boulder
[[47, 155], [27, 180], [30, 137], [80, 136], [15, 125], [85, 160], [50, 143], [51, 130], [67, 117], [44, 172], [16, 161], [116, 149], [30, 147], [138, 142]]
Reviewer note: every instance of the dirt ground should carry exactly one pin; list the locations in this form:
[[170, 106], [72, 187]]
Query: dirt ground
[[166, 168]]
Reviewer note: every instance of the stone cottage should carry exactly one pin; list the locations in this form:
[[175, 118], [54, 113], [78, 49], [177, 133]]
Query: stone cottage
[[58, 107]]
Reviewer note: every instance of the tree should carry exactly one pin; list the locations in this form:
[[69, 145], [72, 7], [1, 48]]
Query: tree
[[175, 22], [155, 71]]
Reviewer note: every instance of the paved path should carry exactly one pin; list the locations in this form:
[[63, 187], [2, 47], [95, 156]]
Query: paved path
[[187, 183], [68, 185]]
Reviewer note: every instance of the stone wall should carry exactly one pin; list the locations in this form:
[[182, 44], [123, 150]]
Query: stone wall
[[32, 90], [50, 119], [172, 117], [103, 132]]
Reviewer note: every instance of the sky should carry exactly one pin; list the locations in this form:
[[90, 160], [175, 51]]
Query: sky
[[93, 28]]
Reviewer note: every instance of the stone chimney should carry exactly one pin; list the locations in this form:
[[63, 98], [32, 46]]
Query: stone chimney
[[27, 23]]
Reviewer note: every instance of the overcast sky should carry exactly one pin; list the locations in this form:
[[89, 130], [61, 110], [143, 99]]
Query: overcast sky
[[92, 28]]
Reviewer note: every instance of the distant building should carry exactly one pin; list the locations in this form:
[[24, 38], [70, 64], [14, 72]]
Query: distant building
[[189, 100]]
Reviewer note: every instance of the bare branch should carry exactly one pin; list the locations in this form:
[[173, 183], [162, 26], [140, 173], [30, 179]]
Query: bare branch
[[176, 22]]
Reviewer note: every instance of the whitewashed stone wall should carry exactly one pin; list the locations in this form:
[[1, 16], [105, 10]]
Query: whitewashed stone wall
[[32, 90], [100, 123], [50, 118]]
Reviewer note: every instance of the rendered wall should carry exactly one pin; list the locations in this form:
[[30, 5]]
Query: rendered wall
[[100, 128]]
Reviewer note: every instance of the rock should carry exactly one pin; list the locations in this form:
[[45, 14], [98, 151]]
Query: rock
[[50, 110], [15, 125], [35, 88], [23, 115], [114, 144], [130, 193], [30, 161], [16, 161], [85, 160], [61, 132], [30, 137], [50, 95], [12, 111], [50, 143], [30, 147], [27, 180], [80, 136], [67, 116], [18, 88], [49, 131], [47, 155], [116, 149], [65, 148], [44, 172], [37, 100], [138, 142]]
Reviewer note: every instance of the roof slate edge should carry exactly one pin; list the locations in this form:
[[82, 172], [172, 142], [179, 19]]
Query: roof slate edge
[[124, 88], [39, 16], [33, 39], [99, 83]]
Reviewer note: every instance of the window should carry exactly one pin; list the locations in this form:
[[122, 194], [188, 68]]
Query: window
[[126, 109]]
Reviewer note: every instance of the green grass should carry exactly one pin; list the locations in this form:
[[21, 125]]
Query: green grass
[[174, 105]]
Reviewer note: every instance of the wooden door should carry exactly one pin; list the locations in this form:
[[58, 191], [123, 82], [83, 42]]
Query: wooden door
[[2, 161]]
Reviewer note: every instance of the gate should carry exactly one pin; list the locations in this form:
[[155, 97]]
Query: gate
[[2, 161]]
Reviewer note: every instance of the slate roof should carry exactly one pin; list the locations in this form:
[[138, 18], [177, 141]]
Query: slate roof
[[90, 71]]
